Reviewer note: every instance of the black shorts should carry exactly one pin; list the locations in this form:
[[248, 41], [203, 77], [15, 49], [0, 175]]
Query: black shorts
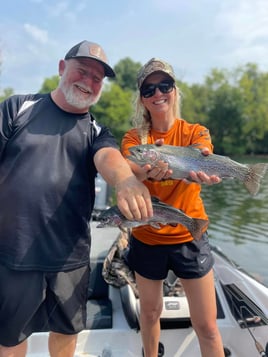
[[33, 301], [187, 260]]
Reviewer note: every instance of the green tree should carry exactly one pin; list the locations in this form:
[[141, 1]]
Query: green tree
[[224, 108], [193, 103], [126, 73], [49, 84], [225, 121], [7, 92], [114, 109], [253, 86]]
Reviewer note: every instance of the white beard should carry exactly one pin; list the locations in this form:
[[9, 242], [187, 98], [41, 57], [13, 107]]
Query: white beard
[[76, 99]]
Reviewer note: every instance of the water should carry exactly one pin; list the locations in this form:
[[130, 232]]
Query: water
[[239, 223]]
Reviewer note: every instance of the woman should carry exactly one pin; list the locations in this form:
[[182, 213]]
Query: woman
[[153, 252]]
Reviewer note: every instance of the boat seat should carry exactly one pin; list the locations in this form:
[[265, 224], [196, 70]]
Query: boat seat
[[99, 306]]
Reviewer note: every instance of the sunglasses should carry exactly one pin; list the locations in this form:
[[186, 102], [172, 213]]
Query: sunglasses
[[148, 90]]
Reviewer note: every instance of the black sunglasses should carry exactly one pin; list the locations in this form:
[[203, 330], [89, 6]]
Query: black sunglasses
[[148, 90]]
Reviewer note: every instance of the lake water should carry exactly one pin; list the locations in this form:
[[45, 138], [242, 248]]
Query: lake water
[[239, 222]]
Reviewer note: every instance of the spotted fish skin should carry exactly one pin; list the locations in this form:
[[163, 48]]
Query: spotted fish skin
[[183, 159], [163, 215]]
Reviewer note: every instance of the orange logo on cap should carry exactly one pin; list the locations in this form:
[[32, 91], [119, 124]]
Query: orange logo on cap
[[96, 51]]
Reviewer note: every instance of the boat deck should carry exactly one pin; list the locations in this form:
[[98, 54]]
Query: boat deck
[[114, 336]]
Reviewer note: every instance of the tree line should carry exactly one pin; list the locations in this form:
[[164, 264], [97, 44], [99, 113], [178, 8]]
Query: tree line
[[232, 104]]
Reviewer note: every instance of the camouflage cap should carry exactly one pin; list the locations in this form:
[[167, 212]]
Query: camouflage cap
[[86, 49], [154, 65]]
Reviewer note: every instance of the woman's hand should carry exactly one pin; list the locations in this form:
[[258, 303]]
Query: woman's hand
[[161, 170], [201, 177], [158, 172]]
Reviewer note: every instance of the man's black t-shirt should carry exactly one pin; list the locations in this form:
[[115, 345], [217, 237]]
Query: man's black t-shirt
[[47, 184]]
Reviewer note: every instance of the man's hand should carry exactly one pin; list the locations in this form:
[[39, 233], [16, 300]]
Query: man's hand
[[133, 199]]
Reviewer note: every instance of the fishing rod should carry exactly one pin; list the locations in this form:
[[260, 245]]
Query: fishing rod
[[258, 346], [246, 320]]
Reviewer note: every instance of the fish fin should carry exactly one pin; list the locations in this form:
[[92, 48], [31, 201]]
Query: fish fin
[[189, 179], [254, 177], [155, 225], [198, 227], [195, 146], [155, 199], [122, 229]]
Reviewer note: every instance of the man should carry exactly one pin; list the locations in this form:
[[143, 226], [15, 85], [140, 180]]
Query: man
[[50, 151]]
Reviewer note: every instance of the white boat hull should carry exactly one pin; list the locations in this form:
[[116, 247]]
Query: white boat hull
[[123, 341]]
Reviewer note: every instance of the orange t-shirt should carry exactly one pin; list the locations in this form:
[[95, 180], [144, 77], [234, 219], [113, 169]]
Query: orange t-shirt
[[173, 192]]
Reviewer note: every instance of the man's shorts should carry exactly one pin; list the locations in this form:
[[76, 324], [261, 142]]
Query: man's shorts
[[187, 260], [33, 301]]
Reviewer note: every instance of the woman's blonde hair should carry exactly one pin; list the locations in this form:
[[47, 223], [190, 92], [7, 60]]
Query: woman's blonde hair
[[141, 119]]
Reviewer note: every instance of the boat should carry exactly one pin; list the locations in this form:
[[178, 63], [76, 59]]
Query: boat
[[113, 306], [113, 312]]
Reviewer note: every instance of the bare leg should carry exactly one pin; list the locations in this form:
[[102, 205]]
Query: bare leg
[[15, 351], [203, 310], [61, 345], [151, 301]]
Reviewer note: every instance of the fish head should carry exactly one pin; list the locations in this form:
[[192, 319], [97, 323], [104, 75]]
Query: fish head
[[143, 154], [108, 219], [104, 222]]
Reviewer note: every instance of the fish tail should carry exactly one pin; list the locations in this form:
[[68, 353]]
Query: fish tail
[[253, 178], [198, 227]]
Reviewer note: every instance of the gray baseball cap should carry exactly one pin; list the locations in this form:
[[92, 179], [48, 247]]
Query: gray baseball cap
[[86, 49], [154, 65]]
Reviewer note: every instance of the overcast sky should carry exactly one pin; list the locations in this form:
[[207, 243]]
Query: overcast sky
[[193, 35]]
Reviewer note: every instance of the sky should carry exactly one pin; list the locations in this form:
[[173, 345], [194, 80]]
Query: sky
[[194, 36]]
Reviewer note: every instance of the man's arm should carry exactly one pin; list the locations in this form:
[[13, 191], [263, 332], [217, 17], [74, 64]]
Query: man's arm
[[133, 197]]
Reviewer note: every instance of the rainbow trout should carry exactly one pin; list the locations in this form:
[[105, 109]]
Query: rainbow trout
[[163, 214], [183, 159]]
